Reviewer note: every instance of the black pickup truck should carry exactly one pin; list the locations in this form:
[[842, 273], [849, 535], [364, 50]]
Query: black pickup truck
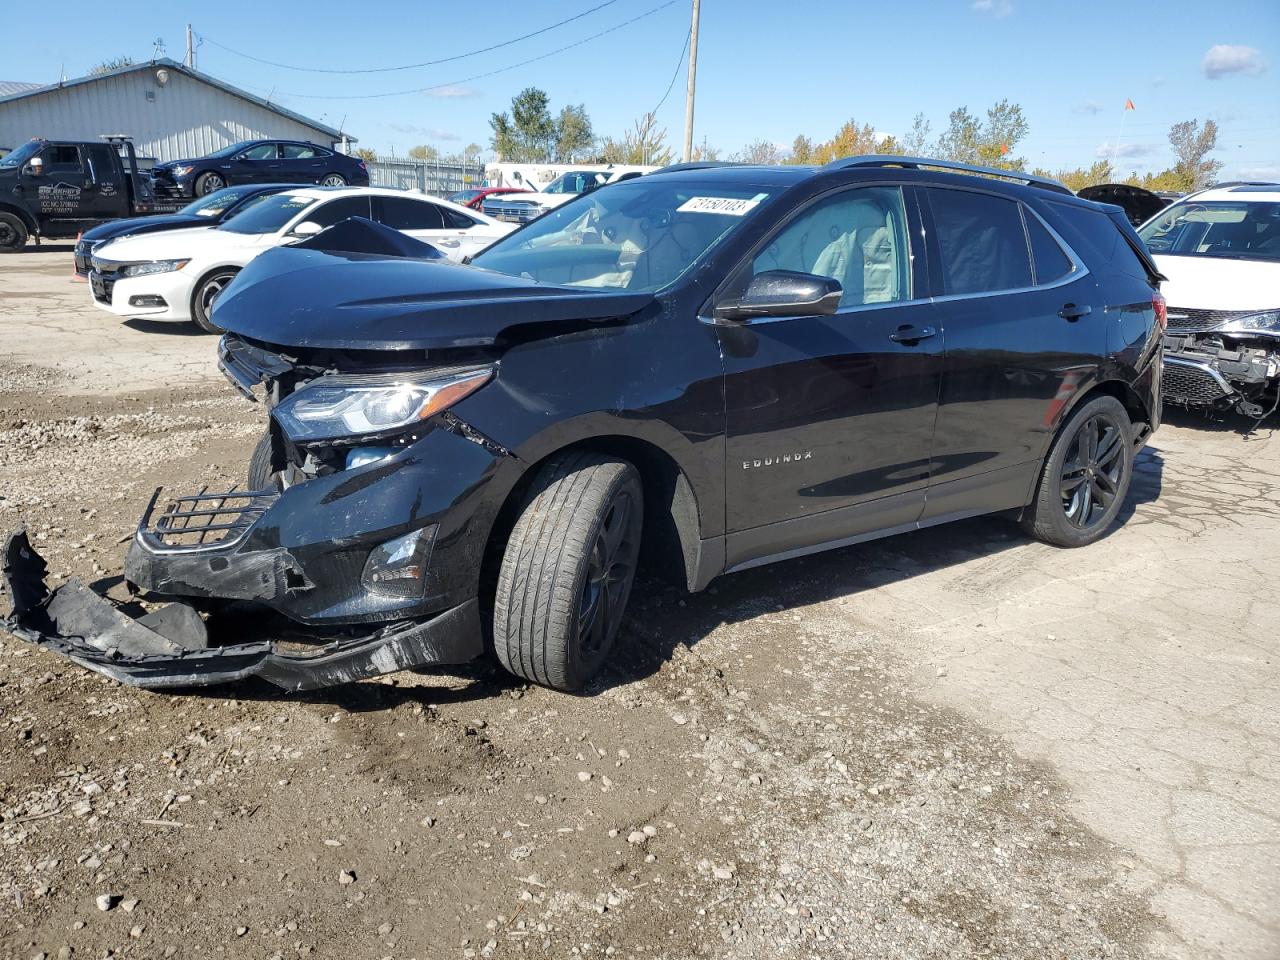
[[53, 189]]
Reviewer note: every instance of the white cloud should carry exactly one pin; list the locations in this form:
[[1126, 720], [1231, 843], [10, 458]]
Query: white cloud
[[452, 90], [1089, 107], [1106, 150], [997, 8], [1271, 172], [1224, 59], [429, 133]]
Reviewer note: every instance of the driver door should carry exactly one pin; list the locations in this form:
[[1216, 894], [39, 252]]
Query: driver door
[[830, 418], [260, 164]]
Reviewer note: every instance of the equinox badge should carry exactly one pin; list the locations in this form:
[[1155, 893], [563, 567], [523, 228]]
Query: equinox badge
[[774, 461]]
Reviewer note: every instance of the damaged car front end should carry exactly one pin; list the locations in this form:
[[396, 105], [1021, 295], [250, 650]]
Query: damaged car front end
[[1219, 360], [348, 554]]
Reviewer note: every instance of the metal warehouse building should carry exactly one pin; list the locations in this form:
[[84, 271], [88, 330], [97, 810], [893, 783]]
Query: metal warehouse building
[[170, 110]]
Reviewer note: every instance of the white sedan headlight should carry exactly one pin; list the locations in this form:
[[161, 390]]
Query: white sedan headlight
[[1266, 322], [153, 266], [340, 408]]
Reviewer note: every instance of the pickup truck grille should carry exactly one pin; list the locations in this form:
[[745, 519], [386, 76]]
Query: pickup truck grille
[[512, 211]]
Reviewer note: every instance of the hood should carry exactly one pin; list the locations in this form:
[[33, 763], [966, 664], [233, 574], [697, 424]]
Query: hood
[[170, 244], [136, 225], [1219, 283], [1139, 205], [294, 297]]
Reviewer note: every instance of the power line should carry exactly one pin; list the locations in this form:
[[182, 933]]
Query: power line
[[478, 76], [408, 66], [675, 73]]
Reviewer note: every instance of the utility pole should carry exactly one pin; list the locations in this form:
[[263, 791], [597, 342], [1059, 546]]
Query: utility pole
[[693, 83], [191, 50]]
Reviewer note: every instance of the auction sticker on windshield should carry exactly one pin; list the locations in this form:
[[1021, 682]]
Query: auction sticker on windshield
[[723, 205]]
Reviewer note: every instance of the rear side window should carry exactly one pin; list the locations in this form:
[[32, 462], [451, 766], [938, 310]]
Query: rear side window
[[337, 210], [297, 151], [102, 161], [456, 220], [1092, 234], [401, 213], [1050, 262], [983, 245]]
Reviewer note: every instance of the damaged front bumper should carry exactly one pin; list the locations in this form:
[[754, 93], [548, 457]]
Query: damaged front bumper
[[1212, 372]]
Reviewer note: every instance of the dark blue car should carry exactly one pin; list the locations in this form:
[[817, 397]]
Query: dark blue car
[[259, 161], [207, 211]]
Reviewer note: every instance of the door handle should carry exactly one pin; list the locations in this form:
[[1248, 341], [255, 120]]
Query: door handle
[[1074, 312], [911, 335]]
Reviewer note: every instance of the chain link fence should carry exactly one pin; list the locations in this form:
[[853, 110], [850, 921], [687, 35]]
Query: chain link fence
[[436, 177]]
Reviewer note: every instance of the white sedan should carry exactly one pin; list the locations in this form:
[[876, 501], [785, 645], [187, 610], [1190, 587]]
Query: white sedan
[[176, 275]]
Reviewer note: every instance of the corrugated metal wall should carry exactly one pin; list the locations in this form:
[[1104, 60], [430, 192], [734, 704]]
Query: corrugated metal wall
[[184, 118]]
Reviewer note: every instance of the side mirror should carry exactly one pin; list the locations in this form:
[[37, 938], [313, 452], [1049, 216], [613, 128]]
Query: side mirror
[[307, 228], [36, 167], [783, 293]]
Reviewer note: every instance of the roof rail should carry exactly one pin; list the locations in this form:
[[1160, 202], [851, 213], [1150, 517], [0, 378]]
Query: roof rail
[[696, 165], [916, 163]]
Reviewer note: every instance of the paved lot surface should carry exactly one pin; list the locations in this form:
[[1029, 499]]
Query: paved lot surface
[[956, 743]]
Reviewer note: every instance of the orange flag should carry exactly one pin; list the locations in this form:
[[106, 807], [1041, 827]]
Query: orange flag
[[1128, 105]]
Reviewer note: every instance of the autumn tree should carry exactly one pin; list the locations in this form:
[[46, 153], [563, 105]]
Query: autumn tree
[[644, 144], [1081, 177], [801, 150], [988, 142], [424, 151], [364, 153], [1192, 144], [759, 151]]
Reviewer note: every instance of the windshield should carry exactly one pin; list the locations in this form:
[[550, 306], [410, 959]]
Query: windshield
[[216, 203], [22, 154], [232, 149], [1216, 228], [639, 235], [576, 182], [267, 215]]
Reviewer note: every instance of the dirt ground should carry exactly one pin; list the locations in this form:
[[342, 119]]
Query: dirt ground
[[957, 743]]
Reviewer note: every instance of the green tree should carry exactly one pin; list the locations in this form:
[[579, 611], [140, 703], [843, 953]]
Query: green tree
[[1191, 146], [574, 136], [915, 143], [424, 151], [990, 142], [644, 144]]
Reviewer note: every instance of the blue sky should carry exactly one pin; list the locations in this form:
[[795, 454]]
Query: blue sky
[[766, 69]]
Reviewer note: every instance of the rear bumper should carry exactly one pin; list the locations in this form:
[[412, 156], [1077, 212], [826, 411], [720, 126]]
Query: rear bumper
[[168, 648]]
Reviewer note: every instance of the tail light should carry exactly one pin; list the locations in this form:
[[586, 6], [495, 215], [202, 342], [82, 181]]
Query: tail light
[[363, 166], [1162, 314]]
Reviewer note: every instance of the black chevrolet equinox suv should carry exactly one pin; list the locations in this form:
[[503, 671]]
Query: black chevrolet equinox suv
[[708, 368]]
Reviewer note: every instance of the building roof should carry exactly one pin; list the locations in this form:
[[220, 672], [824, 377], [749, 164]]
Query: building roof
[[24, 90], [9, 87]]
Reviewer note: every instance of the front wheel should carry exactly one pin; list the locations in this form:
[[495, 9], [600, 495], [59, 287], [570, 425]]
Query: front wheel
[[333, 180], [206, 292], [13, 233], [1086, 476], [568, 569], [208, 182]]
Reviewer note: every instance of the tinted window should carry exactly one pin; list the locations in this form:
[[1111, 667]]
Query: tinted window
[[402, 213], [1092, 234], [103, 161], [213, 204], [298, 151], [263, 151], [334, 211], [858, 237], [984, 247], [61, 157], [456, 220], [1050, 261]]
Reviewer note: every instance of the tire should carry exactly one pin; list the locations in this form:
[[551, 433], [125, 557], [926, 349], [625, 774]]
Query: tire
[[333, 180], [567, 570], [13, 233], [261, 476], [208, 182], [1085, 477], [206, 291]]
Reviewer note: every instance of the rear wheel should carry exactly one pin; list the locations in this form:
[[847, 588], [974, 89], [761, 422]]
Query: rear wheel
[[333, 180], [568, 569], [207, 291], [13, 233], [1085, 477], [208, 182]]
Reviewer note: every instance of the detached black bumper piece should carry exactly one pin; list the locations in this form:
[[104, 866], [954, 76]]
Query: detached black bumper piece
[[170, 647]]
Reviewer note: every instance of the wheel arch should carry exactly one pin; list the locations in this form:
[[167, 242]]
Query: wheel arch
[[673, 525], [1116, 387], [27, 220]]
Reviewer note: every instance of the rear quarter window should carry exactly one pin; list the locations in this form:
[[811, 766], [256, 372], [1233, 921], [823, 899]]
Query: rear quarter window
[[1092, 234]]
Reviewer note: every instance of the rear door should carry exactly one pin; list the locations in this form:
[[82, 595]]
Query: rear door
[[1023, 332], [106, 194], [423, 220], [302, 163]]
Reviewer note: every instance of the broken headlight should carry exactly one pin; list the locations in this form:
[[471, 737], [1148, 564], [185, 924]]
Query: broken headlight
[[333, 408], [1264, 322], [398, 568]]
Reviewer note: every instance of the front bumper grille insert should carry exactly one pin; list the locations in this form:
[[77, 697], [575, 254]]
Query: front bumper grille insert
[[1192, 382], [203, 520]]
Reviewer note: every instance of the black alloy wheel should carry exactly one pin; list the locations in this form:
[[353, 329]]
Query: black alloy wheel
[[611, 570], [1093, 471]]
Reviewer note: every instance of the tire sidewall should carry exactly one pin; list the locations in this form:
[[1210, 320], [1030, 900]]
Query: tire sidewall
[[198, 188], [1051, 498], [20, 232], [198, 316]]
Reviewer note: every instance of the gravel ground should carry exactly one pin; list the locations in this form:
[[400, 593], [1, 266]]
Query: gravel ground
[[957, 743]]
